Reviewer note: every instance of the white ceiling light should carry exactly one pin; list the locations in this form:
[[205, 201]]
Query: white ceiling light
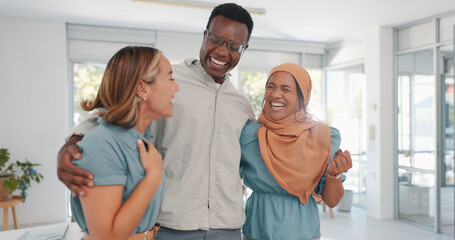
[[199, 4]]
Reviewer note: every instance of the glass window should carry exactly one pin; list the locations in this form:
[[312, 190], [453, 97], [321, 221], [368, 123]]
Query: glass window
[[252, 84], [447, 165], [316, 104], [87, 77], [449, 98], [404, 112], [345, 107], [416, 137]]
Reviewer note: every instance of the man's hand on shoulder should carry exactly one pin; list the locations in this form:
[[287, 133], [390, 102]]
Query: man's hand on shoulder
[[73, 177]]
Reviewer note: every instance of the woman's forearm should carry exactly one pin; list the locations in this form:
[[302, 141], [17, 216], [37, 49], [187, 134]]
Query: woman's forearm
[[333, 191], [108, 218], [131, 212]]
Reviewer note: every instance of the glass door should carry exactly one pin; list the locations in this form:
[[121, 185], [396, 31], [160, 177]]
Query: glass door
[[416, 138], [447, 160], [426, 139]]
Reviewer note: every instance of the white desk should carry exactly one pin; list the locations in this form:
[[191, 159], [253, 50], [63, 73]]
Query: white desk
[[73, 232]]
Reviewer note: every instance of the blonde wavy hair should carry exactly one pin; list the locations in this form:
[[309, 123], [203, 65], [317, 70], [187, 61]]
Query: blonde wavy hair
[[117, 92]]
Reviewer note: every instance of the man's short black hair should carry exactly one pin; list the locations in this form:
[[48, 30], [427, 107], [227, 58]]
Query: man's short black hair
[[233, 12]]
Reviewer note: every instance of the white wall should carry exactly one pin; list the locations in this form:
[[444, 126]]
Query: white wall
[[33, 80], [417, 36], [349, 52], [179, 46], [380, 118]]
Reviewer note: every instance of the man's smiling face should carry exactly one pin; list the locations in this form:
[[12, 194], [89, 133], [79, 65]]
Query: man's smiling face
[[218, 61]]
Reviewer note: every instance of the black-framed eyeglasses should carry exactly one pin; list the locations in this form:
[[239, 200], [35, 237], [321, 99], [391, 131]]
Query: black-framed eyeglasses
[[218, 41]]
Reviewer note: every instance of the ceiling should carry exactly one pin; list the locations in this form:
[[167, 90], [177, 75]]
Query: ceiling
[[315, 21]]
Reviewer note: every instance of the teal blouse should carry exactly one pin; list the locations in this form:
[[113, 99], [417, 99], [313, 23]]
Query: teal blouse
[[110, 153], [271, 212]]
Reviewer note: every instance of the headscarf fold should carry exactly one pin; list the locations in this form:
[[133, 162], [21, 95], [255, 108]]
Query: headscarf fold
[[296, 153]]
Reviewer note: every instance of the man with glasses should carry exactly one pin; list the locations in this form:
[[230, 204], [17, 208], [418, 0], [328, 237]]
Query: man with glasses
[[203, 193]]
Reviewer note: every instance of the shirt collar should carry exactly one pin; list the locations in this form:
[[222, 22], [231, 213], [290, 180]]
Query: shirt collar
[[197, 64], [128, 136]]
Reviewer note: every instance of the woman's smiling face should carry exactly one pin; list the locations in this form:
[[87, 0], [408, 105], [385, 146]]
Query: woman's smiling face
[[281, 97]]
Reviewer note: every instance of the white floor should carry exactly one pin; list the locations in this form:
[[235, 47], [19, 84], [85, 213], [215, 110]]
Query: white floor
[[355, 225]]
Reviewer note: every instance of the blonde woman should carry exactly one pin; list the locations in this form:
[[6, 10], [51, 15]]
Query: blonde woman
[[137, 88]]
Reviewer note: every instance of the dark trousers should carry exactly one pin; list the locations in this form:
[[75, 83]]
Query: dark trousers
[[211, 234]]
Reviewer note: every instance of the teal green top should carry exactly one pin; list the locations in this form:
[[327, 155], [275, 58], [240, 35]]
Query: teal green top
[[271, 212], [110, 153]]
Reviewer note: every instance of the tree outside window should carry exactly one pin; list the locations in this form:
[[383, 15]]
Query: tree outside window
[[252, 84], [86, 81]]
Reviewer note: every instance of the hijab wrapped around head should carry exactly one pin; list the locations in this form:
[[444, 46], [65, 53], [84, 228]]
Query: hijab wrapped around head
[[296, 153]]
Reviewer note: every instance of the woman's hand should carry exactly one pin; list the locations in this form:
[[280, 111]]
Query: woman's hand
[[333, 189], [151, 161], [341, 163], [107, 217]]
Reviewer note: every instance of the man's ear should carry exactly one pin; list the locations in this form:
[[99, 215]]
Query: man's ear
[[246, 47]]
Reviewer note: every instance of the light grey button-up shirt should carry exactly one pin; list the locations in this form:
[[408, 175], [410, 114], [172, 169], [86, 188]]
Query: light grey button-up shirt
[[201, 152]]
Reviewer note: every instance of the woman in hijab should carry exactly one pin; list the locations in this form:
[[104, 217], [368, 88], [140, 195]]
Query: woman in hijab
[[288, 159]]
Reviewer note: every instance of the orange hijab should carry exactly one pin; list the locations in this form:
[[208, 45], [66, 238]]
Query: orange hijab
[[295, 153]]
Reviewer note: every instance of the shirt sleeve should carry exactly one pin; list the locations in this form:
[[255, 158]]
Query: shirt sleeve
[[84, 127], [103, 160], [335, 145], [242, 145]]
